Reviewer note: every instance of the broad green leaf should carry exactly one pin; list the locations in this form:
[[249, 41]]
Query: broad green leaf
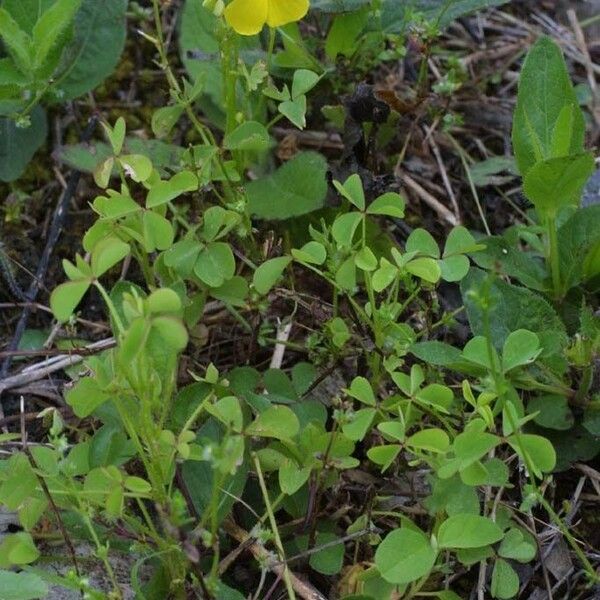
[[344, 228], [116, 135], [405, 555], [361, 390], [50, 27], [182, 256], [116, 206], [65, 298], [553, 411], [136, 166], [171, 332], [431, 440], [393, 429], [103, 172], [292, 477], [390, 204], [165, 118], [425, 268], [86, 397], [538, 449], [436, 395], [578, 238], [20, 484], [26, 12], [18, 145], [352, 190], [490, 171], [93, 54], [564, 128], [276, 422], [577, 444], [10, 75], [339, 331], [200, 54], [384, 275], [224, 592], [470, 446], [521, 348], [250, 135], [267, 274], [137, 485], [365, 259], [505, 582], [134, 340], [304, 375], [201, 476], [454, 268], [337, 6], [468, 531], [107, 254], [343, 34], [312, 253], [453, 497], [31, 511], [384, 456], [394, 14], [296, 188], [512, 308], [163, 300], [215, 264], [544, 91], [491, 472], [509, 258], [110, 447], [303, 81], [329, 560], [359, 425], [295, 111], [16, 42], [165, 191], [17, 549], [460, 241], [233, 292], [442, 355], [558, 182], [422, 242], [472, 556], [518, 545], [22, 586], [87, 157], [229, 412]]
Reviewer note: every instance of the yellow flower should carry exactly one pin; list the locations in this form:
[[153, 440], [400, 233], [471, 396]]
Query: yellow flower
[[248, 17]]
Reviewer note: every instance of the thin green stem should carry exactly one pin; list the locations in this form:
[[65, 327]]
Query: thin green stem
[[553, 256], [273, 523], [111, 307], [465, 163]]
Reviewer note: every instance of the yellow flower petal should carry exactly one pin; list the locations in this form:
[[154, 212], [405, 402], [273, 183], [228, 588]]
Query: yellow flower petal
[[282, 12], [247, 17]]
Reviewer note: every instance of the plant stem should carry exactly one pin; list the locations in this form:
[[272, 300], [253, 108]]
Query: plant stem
[[110, 306], [553, 257], [273, 523]]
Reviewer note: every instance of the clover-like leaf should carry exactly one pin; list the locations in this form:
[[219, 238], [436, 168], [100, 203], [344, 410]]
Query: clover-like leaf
[[267, 274], [278, 422], [165, 191], [468, 531], [65, 298], [405, 555], [106, 254]]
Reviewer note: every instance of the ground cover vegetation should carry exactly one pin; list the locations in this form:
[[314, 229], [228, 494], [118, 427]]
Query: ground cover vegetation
[[327, 323]]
